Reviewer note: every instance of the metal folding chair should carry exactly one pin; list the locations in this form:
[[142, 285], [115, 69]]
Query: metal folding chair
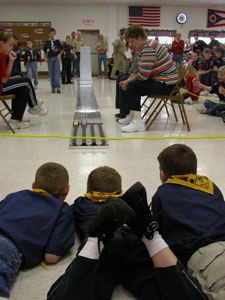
[[6, 110]]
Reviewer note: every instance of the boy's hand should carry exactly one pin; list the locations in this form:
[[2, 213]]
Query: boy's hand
[[221, 90], [12, 55], [46, 60], [123, 84], [215, 69]]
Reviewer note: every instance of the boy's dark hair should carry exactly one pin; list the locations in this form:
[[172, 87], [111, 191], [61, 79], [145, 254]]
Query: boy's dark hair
[[198, 52], [53, 178], [52, 30], [178, 159], [29, 41], [134, 31], [220, 50], [15, 37], [104, 179], [208, 50]]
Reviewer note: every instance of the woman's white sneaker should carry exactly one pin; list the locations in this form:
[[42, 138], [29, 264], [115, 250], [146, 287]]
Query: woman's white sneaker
[[16, 124], [134, 126], [38, 110]]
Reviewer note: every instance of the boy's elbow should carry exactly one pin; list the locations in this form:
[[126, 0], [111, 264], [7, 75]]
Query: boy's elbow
[[51, 259]]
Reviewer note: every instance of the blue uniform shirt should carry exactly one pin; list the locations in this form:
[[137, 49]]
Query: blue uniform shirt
[[84, 211], [37, 224], [53, 47], [67, 51], [215, 90], [31, 55], [188, 218]]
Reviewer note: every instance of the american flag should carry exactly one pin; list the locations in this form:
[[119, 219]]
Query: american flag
[[146, 16]]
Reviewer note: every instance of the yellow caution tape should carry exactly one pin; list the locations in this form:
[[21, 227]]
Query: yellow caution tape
[[114, 139]]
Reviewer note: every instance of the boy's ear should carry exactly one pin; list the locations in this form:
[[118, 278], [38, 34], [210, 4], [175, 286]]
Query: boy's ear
[[33, 185], [163, 176], [66, 191]]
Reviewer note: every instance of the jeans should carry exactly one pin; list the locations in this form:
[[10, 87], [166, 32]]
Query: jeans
[[177, 58], [32, 70], [102, 58], [10, 262], [54, 71], [75, 66], [214, 107]]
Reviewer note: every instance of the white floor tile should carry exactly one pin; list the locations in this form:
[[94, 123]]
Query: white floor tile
[[134, 159]]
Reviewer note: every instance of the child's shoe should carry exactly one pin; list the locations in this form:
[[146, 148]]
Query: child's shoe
[[204, 93], [188, 101], [58, 91], [35, 86], [53, 90], [202, 110]]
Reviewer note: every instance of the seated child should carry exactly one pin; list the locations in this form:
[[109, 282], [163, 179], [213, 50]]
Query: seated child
[[190, 77], [190, 212], [220, 61], [207, 73], [213, 107], [198, 62], [110, 237], [31, 58], [35, 225]]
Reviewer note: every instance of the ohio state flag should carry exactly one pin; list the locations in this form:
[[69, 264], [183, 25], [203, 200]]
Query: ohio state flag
[[216, 18]]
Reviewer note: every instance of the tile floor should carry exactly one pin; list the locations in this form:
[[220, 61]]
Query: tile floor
[[134, 159]]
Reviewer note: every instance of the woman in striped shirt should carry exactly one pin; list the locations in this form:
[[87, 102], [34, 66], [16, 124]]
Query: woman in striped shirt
[[156, 75]]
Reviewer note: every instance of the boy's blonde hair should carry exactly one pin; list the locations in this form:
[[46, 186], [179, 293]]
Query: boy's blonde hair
[[222, 69], [105, 180], [53, 178]]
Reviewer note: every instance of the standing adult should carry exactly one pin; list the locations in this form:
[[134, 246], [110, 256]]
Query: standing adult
[[101, 48], [119, 48], [198, 44], [74, 57], [178, 49], [157, 75], [213, 42], [79, 43]]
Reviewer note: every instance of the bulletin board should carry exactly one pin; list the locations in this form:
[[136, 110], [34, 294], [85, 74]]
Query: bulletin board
[[37, 32]]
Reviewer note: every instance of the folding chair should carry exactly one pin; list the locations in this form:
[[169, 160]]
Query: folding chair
[[162, 101], [6, 110]]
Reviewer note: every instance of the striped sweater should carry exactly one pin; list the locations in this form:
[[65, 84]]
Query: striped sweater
[[155, 62]]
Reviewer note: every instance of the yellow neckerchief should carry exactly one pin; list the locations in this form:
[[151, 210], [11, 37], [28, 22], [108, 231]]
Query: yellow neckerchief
[[42, 192], [193, 181], [100, 196]]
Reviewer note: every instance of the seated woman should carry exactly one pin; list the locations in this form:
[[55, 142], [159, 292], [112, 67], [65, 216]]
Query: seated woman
[[20, 86], [157, 75]]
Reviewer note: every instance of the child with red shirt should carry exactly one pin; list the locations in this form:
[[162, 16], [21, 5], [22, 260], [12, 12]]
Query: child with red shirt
[[192, 91], [20, 86], [178, 49]]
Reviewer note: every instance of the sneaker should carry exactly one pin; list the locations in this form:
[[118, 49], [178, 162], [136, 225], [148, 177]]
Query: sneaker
[[126, 120], [40, 102], [188, 101], [120, 116], [35, 86], [204, 93], [16, 124], [144, 223], [25, 120], [53, 90], [202, 110], [38, 110], [58, 91], [114, 213], [99, 77], [134, 126]]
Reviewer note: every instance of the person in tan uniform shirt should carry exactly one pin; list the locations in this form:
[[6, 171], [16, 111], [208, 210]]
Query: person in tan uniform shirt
[[79, 43], [119, 55], [101, 48]]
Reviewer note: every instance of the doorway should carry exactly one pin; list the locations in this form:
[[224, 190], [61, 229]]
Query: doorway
[[91, 39]]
